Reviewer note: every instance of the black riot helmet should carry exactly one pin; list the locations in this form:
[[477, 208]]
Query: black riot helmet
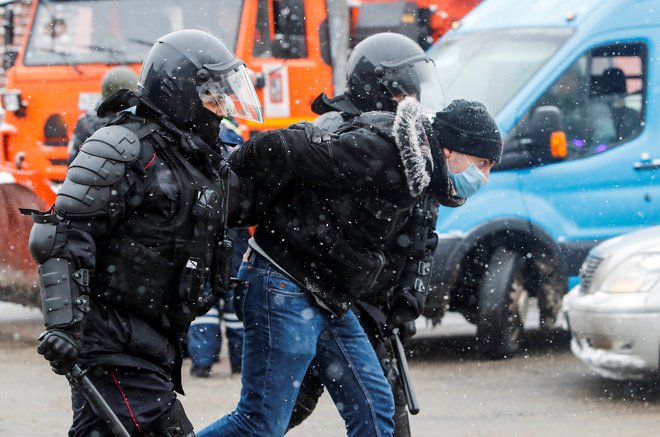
[[387, 65], [185, 68]]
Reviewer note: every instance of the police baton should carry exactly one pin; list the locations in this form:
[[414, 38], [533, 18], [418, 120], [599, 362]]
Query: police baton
[[404, 373], [78, 377]]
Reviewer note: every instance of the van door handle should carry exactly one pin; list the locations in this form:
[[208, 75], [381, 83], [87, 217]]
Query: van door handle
[[647, 165]]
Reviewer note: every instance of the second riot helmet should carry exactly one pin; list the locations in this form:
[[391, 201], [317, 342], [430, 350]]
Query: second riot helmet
[[388, 65], [188, 67], [117, 78]]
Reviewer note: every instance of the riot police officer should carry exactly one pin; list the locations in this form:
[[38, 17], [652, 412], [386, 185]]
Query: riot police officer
[[381, 68], [321, 243], [136, 231]]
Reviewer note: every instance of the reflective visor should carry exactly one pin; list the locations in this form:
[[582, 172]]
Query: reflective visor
[[234, 93], [432, 96], [418, 79]]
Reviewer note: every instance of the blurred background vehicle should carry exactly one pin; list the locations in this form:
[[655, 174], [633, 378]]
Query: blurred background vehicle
[[613, 315], [573, 85], [56, 51], [421, 20]]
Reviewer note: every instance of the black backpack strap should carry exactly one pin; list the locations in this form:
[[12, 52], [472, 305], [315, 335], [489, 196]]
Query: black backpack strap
[[147, 129]]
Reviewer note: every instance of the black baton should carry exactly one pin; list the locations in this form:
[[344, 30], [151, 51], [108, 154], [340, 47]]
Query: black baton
[[404, 373], [77, 376]]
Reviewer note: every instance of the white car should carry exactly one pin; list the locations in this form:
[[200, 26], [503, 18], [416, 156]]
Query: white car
[[613, 315]]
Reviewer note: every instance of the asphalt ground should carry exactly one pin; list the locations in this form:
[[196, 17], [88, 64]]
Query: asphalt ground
[[544, 391]]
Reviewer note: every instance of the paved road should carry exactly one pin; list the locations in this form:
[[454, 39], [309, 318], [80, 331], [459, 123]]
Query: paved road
[[544, 391]]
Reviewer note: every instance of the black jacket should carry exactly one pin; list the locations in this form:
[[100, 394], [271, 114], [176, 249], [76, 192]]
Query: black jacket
[[334, 203], [135, 243]]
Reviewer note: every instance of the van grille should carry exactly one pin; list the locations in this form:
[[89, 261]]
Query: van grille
[[587, 270]]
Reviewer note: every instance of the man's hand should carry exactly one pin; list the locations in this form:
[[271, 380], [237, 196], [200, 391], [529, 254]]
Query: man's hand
[[313, 133], [60, 348]]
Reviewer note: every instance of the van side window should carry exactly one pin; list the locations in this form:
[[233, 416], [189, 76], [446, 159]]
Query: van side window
[[600, 98]]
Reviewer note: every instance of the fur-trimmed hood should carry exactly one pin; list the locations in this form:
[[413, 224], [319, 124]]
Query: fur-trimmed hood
[[410, 137]]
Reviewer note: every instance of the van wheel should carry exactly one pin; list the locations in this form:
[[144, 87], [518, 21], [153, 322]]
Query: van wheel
[[503, 302]]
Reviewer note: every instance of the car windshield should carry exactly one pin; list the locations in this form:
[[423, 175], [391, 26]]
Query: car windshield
[[492, 66], [121, 31]]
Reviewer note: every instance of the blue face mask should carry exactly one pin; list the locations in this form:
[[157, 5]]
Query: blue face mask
[[469, 181]]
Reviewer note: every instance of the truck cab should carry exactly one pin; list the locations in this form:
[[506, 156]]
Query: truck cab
[[574, 87], [55, 74]]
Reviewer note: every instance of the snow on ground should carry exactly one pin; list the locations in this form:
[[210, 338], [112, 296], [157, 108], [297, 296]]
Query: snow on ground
[[11, 312]]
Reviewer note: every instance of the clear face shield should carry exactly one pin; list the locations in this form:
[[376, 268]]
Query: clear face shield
[[231, 94], [416, 78]]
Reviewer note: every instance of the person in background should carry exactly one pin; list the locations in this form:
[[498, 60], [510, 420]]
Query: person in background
[[115, 79]]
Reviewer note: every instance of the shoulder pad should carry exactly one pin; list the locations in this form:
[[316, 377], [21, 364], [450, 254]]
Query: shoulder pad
[[114, 142], [377, 121], [75, 199], [94, 170], [103, 157], [330, 121]]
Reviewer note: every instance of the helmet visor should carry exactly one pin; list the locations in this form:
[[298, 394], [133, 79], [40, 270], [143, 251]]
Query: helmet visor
[[234, 93], [418, 79]]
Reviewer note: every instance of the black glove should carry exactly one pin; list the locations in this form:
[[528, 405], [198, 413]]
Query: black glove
[[313, 133], [400, 317], [406, 331], [404, 307], [60, 348]]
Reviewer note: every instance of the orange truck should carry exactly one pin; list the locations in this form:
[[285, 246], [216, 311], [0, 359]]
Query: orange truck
[[296, 49], [54, 75], [422, 20]]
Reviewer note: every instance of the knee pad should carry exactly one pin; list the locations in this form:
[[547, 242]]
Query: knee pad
[[174, 423]]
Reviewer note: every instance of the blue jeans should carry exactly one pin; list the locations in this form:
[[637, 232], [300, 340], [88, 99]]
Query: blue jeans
[[285, 330], [205, 336]]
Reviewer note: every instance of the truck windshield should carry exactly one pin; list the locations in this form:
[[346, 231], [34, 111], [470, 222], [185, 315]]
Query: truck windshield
[[121, 31], [492, 66]]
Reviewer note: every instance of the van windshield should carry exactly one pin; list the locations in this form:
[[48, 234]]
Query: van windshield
[[121, 31], [492, 66]]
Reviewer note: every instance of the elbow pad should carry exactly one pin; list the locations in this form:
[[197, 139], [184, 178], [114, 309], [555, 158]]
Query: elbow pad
[[64, 289]]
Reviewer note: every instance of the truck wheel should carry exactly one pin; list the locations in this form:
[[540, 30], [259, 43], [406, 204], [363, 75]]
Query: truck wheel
[[503, 302]]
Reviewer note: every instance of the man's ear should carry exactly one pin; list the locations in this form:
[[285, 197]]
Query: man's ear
[[446, 152]]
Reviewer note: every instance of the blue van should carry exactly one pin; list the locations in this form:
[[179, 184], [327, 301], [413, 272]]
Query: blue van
[[575, 88]]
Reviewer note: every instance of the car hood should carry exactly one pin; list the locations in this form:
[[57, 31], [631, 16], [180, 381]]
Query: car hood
[[625, 245]]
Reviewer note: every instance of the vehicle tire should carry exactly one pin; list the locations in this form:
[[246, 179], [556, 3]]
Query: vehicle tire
[[503, 302]]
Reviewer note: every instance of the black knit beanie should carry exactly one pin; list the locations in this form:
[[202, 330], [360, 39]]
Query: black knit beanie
[[467, 127]]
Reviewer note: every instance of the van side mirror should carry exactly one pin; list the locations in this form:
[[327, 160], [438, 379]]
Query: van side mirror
[[536, 140], [548, 134]]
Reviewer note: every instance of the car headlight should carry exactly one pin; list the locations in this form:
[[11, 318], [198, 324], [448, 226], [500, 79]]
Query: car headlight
[[636, 274]]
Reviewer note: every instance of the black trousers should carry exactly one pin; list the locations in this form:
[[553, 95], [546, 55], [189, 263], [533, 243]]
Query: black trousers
[[139, 398]]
